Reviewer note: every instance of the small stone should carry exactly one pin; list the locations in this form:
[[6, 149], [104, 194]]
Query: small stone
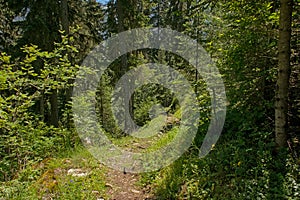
[[77, 172], [135, 191]]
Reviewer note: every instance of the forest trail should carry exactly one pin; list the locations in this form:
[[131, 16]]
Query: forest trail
[[78, 175], [125, 186]]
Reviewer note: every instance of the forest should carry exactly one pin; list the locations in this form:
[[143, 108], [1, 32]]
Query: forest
[[149, 99]]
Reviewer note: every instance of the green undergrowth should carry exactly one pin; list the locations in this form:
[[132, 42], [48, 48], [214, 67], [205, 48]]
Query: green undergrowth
[[243, 167], [50, 179], [146, 144], [152, 135], [240, 167]]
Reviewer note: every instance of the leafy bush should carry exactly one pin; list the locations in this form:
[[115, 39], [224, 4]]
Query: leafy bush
[[239, 168], [24, 135]]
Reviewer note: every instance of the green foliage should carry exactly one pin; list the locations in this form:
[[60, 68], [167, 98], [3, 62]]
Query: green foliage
[[24, 137], [49, 178], [235, 169], [241, 37], [247, 45]]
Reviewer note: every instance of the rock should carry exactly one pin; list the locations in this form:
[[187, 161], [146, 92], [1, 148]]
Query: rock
[[135, 191], [77, 172]]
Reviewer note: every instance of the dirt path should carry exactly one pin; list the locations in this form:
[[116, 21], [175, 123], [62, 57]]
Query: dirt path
[[124, 187]]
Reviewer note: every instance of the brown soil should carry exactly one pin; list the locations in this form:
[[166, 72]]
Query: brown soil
[[124, 187]]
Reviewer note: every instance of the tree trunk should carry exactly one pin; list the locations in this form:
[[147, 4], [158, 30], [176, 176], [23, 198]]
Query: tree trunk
[[42, 107], [281, 103], [65, 16], [54, 108], [121, 9], [65, 23]]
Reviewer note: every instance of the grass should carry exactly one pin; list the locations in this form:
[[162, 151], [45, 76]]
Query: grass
[[234, 169], [240, 167], [147, 144], [51, 179]]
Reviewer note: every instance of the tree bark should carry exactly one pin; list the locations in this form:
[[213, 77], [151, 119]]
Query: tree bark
[[54, 108], [122, 6], [281, 102], [65, 16], [42, 107], [65, 23]]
